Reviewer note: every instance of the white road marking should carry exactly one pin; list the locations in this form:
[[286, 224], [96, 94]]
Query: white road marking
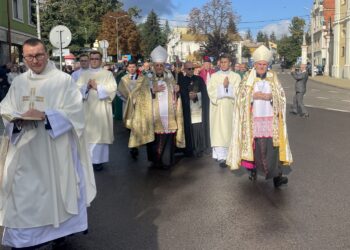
[[333, 91], [331, 109], [321, 97], [345, 100]]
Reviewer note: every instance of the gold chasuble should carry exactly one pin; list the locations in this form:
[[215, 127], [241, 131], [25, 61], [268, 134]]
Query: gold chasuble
[[221, 108], [40, 184], [138, 113], [241, 146], [167, 109], [98, 112]]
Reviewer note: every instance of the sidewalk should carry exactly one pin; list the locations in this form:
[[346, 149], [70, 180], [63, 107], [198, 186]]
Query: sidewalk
[[336, 82]]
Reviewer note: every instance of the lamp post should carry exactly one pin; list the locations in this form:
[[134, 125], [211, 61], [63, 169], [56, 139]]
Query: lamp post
[[117, 31], [9, 29]]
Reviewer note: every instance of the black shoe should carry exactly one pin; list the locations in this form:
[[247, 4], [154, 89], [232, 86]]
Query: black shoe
[[134, 152], [222, 164], [252, 175], [306, 115], [279, 181], [98, 167]]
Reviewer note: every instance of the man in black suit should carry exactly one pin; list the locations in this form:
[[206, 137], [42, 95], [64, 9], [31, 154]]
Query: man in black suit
[[301, 78]]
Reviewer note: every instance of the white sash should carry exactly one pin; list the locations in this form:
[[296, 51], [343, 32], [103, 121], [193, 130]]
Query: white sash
[[163, 105]]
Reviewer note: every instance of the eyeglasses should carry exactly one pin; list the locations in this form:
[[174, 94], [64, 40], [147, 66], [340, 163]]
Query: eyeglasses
[[159, 65], [38, 57], [190, 68], [95, 59]]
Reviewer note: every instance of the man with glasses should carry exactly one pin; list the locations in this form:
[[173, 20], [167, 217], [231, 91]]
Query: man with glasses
[[222, 93], [48, 180], [195, 104], [98, 88], [167, 113], [84, 66]]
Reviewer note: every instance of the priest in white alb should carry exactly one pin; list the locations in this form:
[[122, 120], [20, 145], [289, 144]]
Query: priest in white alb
[[98, 88], [222, 88], [47, 179]]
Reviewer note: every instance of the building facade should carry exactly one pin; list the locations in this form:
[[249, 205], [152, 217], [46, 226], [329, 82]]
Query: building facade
[[341, 40], [322, 17], [187, 46], [17, 24]]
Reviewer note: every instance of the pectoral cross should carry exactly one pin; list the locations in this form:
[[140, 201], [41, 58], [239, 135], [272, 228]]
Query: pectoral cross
[[32, 98]]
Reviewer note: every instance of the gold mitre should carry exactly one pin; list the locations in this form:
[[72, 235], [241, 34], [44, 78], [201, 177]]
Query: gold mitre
[[262, 54], [159, 54]]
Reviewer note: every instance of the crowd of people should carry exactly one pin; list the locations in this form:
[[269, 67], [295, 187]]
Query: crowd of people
[[59, 127]]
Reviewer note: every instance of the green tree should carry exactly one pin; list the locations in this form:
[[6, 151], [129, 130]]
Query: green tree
[[260, 37], [273, 37], [246, 52], [166, 33], [151, 34], [290, 46], [217, 44], [266, 40], [83, 18]]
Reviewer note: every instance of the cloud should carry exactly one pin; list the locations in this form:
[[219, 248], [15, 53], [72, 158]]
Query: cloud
[[280, 28], [161, 7]]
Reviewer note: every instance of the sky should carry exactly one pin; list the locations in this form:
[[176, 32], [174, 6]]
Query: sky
[[256, 15]]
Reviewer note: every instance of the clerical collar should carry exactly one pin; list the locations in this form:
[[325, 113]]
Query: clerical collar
[[225, 72], [160, 75], [262, 76], [95, 70]]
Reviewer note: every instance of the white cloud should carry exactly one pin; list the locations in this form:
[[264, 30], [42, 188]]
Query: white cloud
[[176, 20], [280, 28], [159, 6]]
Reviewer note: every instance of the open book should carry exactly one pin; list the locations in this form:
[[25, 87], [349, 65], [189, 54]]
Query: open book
[[17, 117]]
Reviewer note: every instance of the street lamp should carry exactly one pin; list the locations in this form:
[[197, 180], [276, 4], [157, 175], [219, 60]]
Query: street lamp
[[116, 27]]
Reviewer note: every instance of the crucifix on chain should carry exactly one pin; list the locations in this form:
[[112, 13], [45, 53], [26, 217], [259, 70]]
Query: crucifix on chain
[[32, 98]]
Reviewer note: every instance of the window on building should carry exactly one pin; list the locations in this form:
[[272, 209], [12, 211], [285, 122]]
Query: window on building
[[17, 9], [32, 12]]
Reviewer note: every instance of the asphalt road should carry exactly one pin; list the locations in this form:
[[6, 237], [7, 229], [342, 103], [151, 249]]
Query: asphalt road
[[197, 205]]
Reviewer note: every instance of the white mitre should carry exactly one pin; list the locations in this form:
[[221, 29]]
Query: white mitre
[[159, 55], [262, 54]]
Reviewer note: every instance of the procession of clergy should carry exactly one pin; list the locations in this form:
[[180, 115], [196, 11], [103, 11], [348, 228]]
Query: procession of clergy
[[63, 129]]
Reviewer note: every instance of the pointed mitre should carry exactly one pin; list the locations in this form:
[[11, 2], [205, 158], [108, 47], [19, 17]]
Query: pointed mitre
[[262, 54], [159, 54]]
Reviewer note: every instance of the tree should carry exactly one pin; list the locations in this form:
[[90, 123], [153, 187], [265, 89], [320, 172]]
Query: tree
[[83, 18], [273, 37], [166, 33], [260, 37], [217, 44], [232, 28], [266, 40], [246, 52], [129, 37], [151, 34], [296, 29], [248, 35], [214, 16], [290, 46]]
